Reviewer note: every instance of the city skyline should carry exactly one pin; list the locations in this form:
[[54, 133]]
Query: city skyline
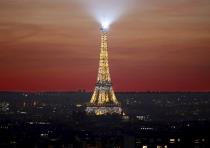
[[54, 46]]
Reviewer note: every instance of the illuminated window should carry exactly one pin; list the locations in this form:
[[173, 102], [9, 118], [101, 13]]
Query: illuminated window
[[196, 141], [172, 140], [159, 146], [144, 146]]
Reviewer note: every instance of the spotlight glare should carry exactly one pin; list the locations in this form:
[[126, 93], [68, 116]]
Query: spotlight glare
[[105, 25]]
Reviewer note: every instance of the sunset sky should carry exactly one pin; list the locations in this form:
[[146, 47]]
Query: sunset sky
[[53, 45]]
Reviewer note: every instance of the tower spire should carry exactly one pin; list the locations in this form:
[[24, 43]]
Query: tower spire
[[103, 100]]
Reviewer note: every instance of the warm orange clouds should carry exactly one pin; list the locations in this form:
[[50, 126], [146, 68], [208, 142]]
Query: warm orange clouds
[[53, 45]]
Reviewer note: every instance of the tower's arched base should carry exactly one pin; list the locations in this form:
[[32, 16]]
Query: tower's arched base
[[103, 110]]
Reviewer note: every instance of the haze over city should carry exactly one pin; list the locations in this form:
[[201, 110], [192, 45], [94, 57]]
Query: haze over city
[[154, 45]]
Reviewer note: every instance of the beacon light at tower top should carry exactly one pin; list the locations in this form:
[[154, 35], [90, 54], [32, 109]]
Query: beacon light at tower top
[[105, 23], [104, 28]]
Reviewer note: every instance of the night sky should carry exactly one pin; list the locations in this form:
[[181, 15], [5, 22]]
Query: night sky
[[53, 45]]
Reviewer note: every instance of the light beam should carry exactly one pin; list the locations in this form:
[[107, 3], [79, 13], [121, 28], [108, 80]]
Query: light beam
[[107, 11]]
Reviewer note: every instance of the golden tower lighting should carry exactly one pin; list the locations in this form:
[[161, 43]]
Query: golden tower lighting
[[103, 100]]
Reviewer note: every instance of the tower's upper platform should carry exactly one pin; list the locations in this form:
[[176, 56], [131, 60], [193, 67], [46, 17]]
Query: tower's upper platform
[[104, 29]]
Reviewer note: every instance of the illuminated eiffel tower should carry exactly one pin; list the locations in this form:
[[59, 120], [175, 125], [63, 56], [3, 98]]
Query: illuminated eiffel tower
[[103, 100]]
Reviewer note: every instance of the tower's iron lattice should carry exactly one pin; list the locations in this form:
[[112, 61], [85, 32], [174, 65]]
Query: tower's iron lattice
[[103, 100]]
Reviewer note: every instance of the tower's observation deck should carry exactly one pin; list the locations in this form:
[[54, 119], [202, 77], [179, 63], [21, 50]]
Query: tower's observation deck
[[103, 100]]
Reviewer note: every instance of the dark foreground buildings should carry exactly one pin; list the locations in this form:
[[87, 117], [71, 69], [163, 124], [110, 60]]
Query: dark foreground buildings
[[58, 120]]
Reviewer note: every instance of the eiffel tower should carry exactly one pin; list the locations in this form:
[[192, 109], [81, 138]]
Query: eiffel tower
[[103, 100]]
